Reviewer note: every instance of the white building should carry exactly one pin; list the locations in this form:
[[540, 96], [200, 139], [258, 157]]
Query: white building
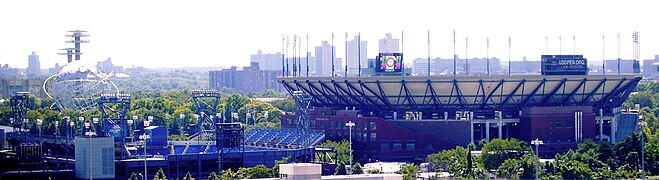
[[388, 44], [356, 55], [33, 64], [94, 157], [324, 54]]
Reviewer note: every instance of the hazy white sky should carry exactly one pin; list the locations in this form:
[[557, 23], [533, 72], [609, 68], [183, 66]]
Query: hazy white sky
[[225, 33]]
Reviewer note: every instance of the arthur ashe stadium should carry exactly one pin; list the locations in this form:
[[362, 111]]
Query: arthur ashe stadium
[[393, 117]]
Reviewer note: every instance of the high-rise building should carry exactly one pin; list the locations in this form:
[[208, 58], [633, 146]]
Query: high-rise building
[[323, 62], [108, 67], [439, 66], [267, 61], [34, 66], [388, 44], [249, 79], [356, 56], [648, 68]]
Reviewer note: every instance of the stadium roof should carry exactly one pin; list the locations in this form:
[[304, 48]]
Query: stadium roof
[[474, 93]]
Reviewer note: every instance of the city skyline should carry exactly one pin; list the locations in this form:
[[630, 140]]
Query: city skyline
[[157, 34]]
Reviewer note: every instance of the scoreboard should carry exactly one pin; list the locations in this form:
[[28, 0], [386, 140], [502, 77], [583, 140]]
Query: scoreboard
[[564, 65], [390, 63]]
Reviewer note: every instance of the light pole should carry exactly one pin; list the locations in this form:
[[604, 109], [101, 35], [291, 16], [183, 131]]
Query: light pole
[[39, 126], [132, 132], [56, 130], [537, 143], [350, 124], [180, 128], [145, 137], [89, 148], [642, 125], [68, 134]]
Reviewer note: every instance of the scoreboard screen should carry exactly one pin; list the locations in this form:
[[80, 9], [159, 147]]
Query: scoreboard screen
[[390, 62]]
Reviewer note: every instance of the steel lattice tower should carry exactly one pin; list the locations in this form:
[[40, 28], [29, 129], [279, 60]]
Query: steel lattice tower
[[206, 102], [303, 101]]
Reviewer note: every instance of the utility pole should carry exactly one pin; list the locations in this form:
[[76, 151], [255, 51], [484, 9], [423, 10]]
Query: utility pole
[[537, 143], [350, 124]]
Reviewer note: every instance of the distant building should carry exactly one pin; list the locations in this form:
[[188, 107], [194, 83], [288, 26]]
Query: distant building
[[524, 67], [54, 69], [388, 44], [300, 67], [439, 66], [107, 66], [626, 66], [648, 68], [324, 54], [34, 66], [9, 72], [356, 56], [249, 79], [267, 61]]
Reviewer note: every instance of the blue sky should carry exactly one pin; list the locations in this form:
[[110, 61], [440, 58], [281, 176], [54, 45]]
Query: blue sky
[[224, 33]]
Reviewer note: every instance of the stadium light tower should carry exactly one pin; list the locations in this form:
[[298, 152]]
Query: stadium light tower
[[350, 124], [537, 143]]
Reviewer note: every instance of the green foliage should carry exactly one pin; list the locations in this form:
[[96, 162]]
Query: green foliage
[[459, 163], [133, 176], [410, 171], [357, 169], [510, 169], [160, 175], [374, 171], [228, 174], [260, 171], [514, 168], [146, 83], [573, 169], [176, 137], [275, 168], [188, 176], [497, 151], [340, 169], [214, 176], [267, 93], [286, 105], [342, 155]]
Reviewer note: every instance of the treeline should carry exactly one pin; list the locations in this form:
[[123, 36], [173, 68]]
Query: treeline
[[514, 159], [172, 109], [647, 98]]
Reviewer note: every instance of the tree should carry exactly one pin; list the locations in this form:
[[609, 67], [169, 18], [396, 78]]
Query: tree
[[374, 171], [214, 176], [275, 168], [188, 176], [260, 171], [340, 169], [228, 174], [342, 148], [497, 151], [160, 175], [133, 176], [357, 169], [510, 169], [410, 171]]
